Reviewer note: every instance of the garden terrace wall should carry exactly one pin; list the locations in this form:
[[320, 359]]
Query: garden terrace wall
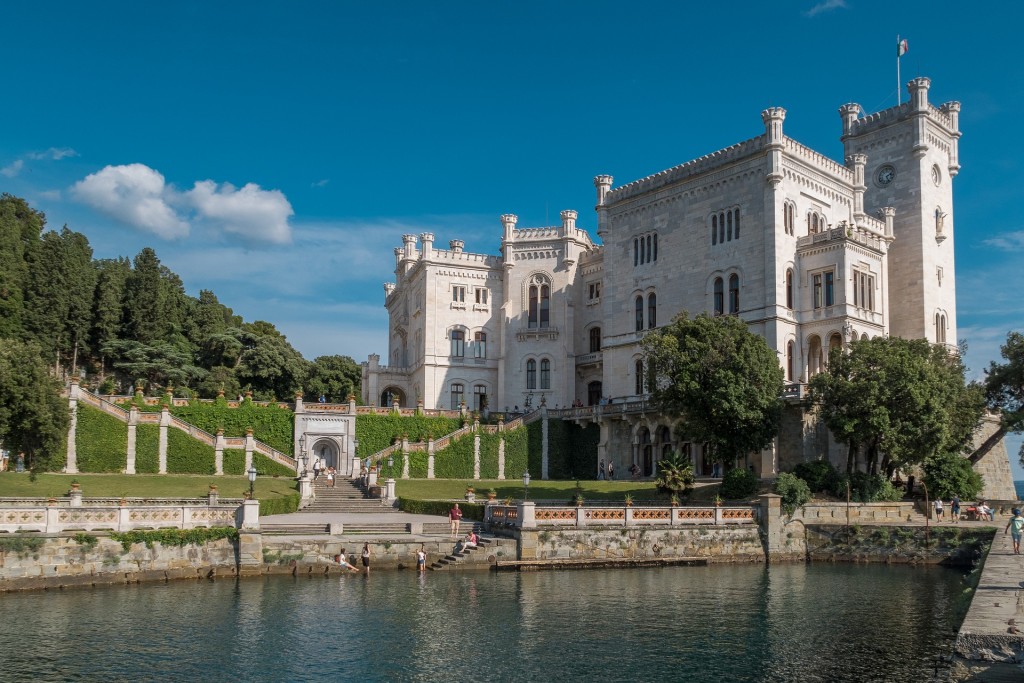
[[52, 517]]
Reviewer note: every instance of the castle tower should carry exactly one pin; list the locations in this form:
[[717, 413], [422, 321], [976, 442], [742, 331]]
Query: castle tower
[[911, 160]]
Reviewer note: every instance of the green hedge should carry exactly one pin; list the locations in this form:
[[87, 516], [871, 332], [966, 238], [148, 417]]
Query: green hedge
[[395, 471], [186, 455], [440, 507], [266, 467], [534, 445], [517, 457], [147, 449], [489, 456], [101, 441], [234, 461], [271, 424], [377, 432], [456, 460], [572, 451], [279, 505]]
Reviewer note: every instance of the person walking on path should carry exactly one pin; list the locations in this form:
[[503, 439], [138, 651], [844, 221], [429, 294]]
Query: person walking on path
[[454, 515], [317, 466], [954, 509], [1015, 525], [330, 477], [938, 509], [600, 470], [366, 557], [421, 559], [611, 470]]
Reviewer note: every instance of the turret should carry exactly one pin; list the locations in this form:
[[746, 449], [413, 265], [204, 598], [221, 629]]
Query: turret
[[919, 93], [508, 220], [410, 246], [427, 239], [888, 214], [456, 246], [388, 288], [856, 163], [952, 110], [773, 118], [849, 113], [603, 183], [568, 220]]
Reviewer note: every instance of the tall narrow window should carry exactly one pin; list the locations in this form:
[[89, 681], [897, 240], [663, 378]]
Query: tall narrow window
[[545, 306], [638, 368], [714, 230], [594, 394], [652, 311], [545, 374], [728, 229], [480, 345], [533, 306], [721, 228], [481, 295], [719, 296], [734, 293], [655, 246], [816, 289], [595, 339], [648, 260], [459, 294], [639, 309], [531, 374], [789, 289], [457, 396], [830, 288], [736, 214], [789, 361], [479, 397], [636, 252], [458, 343]]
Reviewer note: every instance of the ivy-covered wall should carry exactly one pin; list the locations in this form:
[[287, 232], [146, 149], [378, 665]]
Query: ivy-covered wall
[[517, 458], [186, 455], [271, 424], [266, 467], [456, 460], [234, 461], [147, 449], [101, 441], [534, 446], [377, 432], [572, 451]]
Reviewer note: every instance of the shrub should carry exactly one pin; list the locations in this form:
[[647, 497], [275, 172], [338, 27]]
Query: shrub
[[101, 441], [794, 490], [186, 455], [949, 474], [266, 467], [739, 483], [174, 537], [866, 488], [377, 432], [234, 461], [675, 476], [147, 449], [271, 424], [440, 507], [820, 475], [280, 505]]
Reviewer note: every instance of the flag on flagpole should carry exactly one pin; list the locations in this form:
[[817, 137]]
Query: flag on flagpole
[[902, 48]]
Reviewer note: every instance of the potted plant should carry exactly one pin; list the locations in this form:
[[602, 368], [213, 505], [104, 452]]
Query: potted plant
[[75, 486], [491, 494], [470, 494], [674, 501], [628, 500], [577, 499], [508, 500], [718, 501]]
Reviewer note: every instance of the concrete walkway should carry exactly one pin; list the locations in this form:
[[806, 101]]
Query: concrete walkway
[[987, 645], [352, 518]]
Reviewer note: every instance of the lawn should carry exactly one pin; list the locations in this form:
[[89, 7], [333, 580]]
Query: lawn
[[441, 489], [140, 485]]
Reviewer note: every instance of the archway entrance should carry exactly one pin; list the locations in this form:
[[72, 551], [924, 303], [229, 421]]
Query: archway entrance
[[390, 395], [327, 452]]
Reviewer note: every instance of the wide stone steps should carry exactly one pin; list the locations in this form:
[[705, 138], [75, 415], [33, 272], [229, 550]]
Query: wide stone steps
[[453, 560], [297, 529]]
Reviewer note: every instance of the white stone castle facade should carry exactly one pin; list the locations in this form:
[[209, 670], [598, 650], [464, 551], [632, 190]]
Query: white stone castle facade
[[809, 252]]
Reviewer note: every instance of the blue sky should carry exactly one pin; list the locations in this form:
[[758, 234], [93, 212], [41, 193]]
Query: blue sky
[[276, 152]]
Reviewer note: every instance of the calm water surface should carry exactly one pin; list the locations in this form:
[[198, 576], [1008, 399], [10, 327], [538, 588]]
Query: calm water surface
[[723, 623]]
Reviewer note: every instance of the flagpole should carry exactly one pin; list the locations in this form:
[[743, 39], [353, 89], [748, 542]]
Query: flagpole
[[898, 93]]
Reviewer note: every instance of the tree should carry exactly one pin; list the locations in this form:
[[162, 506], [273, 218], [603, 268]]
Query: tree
[[268, 364], [333, 376], [142, 306], [675, 476], [20, 227], [106, 308], [1004, 389], [903, 399], [723, 379], [949, 474], [34, 418], [159, 364]]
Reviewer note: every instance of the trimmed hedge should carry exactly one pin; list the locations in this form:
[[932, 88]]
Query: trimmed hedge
[[147, 449], [572, 451], [455, 461], [279, 505], [271, 424], [489, 455], [517, 457], [101, 441], [534, 446], [234, 461], [377, 432], [395, 471], [440, 507], [266, 467], [186, 455]]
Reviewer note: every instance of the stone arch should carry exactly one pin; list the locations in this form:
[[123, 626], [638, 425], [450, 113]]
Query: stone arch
[[390, 394]]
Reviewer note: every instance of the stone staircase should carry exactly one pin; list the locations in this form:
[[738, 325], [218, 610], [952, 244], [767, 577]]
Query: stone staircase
[[452, 561], [345, 496]]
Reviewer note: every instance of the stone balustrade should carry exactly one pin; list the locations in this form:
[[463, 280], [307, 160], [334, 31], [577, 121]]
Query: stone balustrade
[[527, 515], [50, 516]]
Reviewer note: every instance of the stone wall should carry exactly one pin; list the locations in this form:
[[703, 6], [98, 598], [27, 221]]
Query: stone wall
[[306, 552]]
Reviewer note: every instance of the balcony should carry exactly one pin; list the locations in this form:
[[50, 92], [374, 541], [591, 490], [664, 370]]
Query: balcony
[[588, 359], [538, 333]]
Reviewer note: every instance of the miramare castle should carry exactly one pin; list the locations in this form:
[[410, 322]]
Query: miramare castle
[[809, 252]]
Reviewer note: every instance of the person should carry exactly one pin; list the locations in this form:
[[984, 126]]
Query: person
[[634, 471], [421, 559], [343, 561], [611, 470], [938, 509], [323, 399], [600, 469], [330, 477], [1017, 524], [454, 515], [985, 511], [366, 557], [954, 509], [470, 541], [516, 409], [317, 466]]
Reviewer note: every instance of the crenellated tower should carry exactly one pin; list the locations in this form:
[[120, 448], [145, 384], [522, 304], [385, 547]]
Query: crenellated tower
[[910, 157]]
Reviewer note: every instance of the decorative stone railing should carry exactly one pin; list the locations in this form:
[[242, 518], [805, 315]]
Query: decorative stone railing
[[527, 515], [53, 517]]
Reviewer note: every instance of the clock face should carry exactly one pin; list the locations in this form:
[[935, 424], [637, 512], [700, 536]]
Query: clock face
[[936, 175], [886, 175]]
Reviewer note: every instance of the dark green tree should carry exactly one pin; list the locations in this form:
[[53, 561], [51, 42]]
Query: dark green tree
[[724, 380], [333, 376], [159, 364], [106, 308], [268, 364], [1004, 389], [950, 474], [20, 227], [141, 304], [34, 417]]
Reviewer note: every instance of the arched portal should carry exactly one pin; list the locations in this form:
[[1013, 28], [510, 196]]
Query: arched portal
[[390, 395], [327, 452]]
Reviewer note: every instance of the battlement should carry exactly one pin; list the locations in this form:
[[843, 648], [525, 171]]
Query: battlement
[[881, 119], [817, 159], [687, 170]]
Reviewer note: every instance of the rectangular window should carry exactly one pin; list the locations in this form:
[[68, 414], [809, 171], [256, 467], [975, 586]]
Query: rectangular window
[[594, 291], [458, 343], [871, 293], [459, 294], [830, 295], [545, 374], [816, 288], [481, 295], [480, 397], [480, 345], [457, 396]]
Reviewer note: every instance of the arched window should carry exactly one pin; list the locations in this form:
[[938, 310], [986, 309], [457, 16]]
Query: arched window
[[595, 339], [789, 361], [714, 230], [648, 260], [533, 306], [728, 229], [639, 313], [834, 342], [734, 293], [531, 374], [789, 288], [719, 296], [721, 227], [480, 345], [638, 369], [458, 338], [814, 357], [652, 311], [458, 395], [636, 252], [736, 214], [940, 328], [545, 374], [545, 306], [789, 218]]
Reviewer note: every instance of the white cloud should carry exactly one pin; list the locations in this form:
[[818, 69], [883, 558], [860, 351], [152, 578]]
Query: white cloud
[[12, 169], [321, 183], [51, 195], [1009, 241], [826, 6], [54, 153], [134, 194], [255, 214]]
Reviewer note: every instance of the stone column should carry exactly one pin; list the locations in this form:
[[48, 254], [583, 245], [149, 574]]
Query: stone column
[[165, 422], [75, 494], [133, 421], [250, 446], [771, 526], [527, 515], [501, 457], [389, 489], [628, 516], [476, 449], [430, 458], [250, 515], [218, 452], [305, 490], [405, 456], [52, 517], [543, 442], [71, 465]]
